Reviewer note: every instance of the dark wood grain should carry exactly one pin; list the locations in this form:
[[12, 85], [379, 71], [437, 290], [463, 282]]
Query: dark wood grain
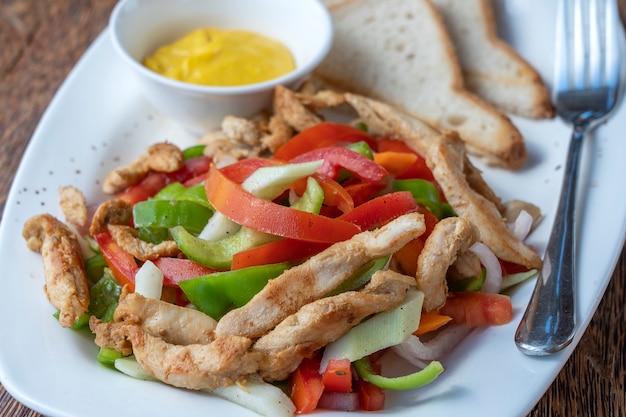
[[41, 40]]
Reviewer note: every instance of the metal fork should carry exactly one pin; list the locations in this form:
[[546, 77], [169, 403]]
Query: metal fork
[[587, 72]]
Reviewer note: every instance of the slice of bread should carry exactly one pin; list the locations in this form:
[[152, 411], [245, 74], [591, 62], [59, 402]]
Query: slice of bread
[[399, 51], [491, 67]]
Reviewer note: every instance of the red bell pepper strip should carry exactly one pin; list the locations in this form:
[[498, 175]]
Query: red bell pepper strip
[[248, 210], [336, 158], [381, 210], [145, 188], [363, 192], [284, 250], [179, 269], [122, 264], [155, 181], [241, 170], [321, 136], [306, 385]]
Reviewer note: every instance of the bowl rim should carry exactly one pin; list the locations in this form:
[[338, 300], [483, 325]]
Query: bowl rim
[[293, 76]]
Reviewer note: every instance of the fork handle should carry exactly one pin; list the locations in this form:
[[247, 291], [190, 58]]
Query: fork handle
[[549, 323]]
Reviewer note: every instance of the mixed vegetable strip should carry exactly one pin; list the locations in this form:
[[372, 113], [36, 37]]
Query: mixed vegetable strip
[[239, 226]]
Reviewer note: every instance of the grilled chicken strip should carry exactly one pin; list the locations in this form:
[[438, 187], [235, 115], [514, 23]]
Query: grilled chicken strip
[[449, 237], [64, 270], [128, 239], [325, 320], [446, 158], [315, 278], [462, 183], [174, 324], [161, 157], [111, 212], [224, 361]]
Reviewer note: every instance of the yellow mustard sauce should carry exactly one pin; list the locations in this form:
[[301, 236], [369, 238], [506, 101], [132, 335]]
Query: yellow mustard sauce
[[218, 57]]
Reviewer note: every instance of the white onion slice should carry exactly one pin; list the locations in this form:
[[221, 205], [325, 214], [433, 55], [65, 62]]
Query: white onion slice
[[149, 281], [522, 225], [493, 279], [421, 353]]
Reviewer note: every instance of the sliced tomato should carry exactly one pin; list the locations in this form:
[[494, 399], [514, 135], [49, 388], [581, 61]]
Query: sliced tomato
[[320, 136], [381, 210], [338, 376], [248, 210], [371, 397], [284, 250], [478, 309], [306, 385], [336, 158], [179, 269], [122, 264]]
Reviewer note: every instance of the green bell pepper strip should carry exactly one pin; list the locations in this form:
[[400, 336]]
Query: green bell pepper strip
[[468, 284], [361, 276], [94, 267], [193, 151], [217, 254], [426, 194], [312, 198], [104, 296], [167, 214], [418, 379], [361, 126], [363, 149], [216, 294], [79, 323], [178, 192], [154, 235], [107, 357]]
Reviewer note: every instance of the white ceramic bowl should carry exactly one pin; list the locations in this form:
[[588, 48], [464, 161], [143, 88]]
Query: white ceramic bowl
[[139, 27]]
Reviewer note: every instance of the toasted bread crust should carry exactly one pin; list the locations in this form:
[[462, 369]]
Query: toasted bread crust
[[491, 68], [398, 51]]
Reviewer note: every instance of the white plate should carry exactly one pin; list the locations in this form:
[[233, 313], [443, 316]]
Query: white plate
[[98, 120]]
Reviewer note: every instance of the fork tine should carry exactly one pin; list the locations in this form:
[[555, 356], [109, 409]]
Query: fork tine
[[562, 49], [587, 44], [580, 45], [613, 33], [597, 42]]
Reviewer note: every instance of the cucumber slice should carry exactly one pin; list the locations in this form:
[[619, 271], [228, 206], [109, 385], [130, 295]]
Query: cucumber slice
[[381, 331]]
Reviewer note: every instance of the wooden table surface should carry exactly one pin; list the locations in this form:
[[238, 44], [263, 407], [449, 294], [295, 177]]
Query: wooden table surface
[[41, 40]]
